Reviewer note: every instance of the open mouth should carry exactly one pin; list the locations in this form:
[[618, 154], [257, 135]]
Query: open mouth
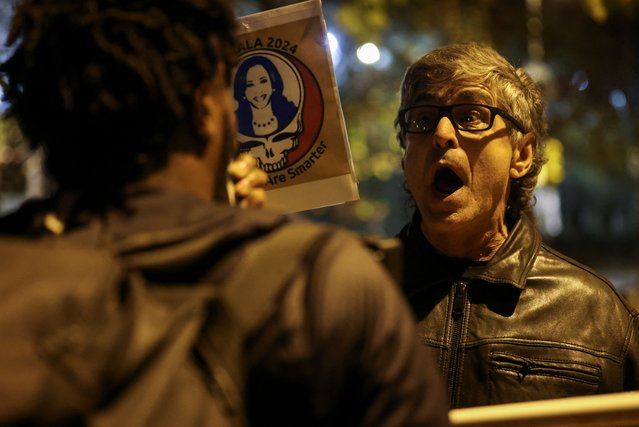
[[446, 181]]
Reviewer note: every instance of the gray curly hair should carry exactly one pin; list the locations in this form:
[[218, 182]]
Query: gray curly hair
[[516, 93]]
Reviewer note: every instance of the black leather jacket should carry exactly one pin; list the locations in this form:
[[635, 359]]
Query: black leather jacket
[[529, 324]]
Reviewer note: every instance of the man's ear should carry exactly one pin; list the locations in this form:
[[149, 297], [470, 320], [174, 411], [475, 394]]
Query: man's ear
[[523, 156], [216, 113], [216, 122], [214, 108]]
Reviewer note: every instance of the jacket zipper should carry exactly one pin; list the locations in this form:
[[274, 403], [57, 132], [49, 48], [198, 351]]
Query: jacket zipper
[[459, 302]]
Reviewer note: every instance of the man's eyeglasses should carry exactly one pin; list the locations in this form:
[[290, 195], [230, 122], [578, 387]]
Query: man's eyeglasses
[[465, 117]]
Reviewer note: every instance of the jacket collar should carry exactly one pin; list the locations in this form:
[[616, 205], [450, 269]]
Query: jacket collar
[[163, 225], [156, 229], [510, 265], [514, 259]]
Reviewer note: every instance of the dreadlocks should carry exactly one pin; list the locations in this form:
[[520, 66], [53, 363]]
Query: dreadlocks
[[111, 81]]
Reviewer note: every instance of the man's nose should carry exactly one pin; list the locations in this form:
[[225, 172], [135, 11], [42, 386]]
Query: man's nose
[[445, 135]]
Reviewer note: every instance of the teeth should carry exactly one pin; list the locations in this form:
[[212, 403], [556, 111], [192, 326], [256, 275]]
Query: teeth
[[272, 167]]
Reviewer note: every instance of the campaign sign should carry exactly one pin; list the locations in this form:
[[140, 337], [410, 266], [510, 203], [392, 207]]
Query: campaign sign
[[288, 111]]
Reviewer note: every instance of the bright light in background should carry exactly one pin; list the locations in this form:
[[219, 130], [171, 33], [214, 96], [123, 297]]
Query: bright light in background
[[548, 210], [618, 99], [333, 45], [3, 105], [368, 53], [580, 80]]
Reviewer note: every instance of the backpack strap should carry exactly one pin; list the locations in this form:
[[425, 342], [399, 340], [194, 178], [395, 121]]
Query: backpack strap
[[269, 264], [266, 270]]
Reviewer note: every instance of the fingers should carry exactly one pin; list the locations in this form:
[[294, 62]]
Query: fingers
[[242, 166], [254, 200], [249, 182], [256, 179]]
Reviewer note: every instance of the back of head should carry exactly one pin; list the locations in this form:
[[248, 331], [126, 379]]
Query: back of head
[[471, 64], [102, 85]]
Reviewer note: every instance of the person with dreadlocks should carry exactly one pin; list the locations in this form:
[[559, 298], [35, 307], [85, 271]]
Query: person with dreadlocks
[[129, 101]]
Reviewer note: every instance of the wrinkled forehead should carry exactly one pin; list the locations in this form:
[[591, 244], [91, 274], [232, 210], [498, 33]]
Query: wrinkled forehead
[[460, 92]]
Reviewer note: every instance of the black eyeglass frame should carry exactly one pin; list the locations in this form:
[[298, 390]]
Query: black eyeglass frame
[[446, 110]]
